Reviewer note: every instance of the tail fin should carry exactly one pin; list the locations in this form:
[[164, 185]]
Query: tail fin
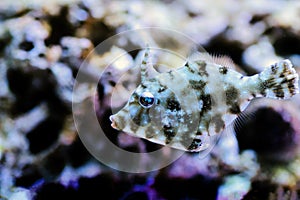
[[279, 81]]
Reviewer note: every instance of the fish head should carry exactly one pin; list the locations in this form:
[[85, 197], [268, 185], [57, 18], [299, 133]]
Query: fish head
[[148, 111], [158, 111]]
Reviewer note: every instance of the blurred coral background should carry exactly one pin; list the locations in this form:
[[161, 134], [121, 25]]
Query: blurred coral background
[[42, 46]]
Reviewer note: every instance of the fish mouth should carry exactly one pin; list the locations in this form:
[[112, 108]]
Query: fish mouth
[[113, 122]]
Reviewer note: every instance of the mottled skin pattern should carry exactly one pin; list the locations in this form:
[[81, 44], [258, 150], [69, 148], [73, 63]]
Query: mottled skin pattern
[[197, 101]]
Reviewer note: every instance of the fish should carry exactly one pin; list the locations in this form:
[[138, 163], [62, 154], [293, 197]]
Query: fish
[[188, 108]]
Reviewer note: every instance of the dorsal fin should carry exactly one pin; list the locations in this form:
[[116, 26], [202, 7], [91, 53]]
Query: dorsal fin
[[147, 69], [223, 60], [195, 55]]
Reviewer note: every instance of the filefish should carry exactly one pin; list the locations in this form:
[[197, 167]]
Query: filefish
[[187, 108]]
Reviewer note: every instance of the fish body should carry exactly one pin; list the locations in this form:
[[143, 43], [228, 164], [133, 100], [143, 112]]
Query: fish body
[[185, 108]]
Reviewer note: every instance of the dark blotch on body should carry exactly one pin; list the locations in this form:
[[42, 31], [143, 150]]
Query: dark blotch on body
[[142, 117], [135, 96], [197, 85], [262, 90], [189, 68], [291, 87], [274, 69], [186, 140], [161, 89], [231, 95], [223, 70], [143, 86], [232, 99], [195, 144], [267, 84], [157, 101], [134, 103], [278, 91], [234, 108], [218, 121], [202, 68], [169, 133], [137, 118], [207, 102], [285, 80], [173, 105], [199, 133]]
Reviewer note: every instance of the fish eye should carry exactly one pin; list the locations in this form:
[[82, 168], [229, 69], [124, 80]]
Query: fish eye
[[146, 99]]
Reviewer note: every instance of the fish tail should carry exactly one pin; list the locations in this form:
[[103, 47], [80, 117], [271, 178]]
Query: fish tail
[[279, 81]]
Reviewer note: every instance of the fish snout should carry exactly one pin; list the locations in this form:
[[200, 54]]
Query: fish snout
[[112, 118]]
